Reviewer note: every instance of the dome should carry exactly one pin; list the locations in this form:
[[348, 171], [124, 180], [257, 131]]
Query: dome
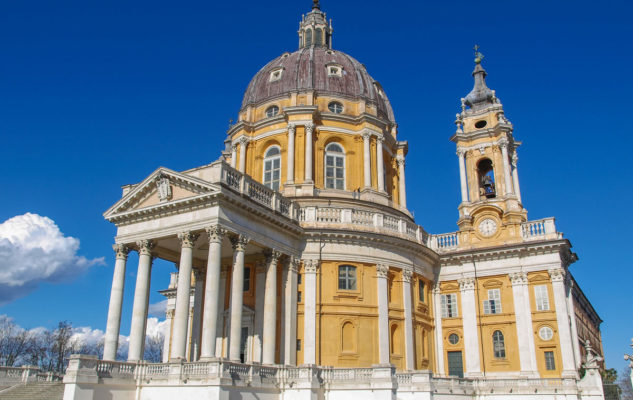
[[310, 69]]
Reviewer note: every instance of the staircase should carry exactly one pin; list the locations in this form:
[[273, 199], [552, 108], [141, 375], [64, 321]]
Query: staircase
[[34, 391]]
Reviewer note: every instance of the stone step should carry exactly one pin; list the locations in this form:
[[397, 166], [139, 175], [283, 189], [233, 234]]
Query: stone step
[[34, 391]]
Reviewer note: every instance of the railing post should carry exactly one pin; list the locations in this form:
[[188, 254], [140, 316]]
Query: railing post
[[275, 201], [310, 214], [346, 216], [550, 226], [378, 220], [402, 226]]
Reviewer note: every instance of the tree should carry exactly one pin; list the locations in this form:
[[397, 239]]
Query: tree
[[625, 385], [14, 342], [154, 348], [609, 376]]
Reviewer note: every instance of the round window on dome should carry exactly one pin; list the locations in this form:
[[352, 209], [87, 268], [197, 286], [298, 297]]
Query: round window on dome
[[453, 338], [335, 107], [546, 333], [272, 111], [480, 124]]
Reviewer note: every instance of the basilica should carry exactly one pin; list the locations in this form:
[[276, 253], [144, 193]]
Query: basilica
[[300, 272]]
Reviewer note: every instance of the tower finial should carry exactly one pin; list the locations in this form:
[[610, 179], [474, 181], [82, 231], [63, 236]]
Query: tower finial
[[478, 55], [316, 5]]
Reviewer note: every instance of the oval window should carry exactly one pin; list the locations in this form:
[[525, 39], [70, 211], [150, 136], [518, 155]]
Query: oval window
[[546, 333], [480, 124], [335, 107], [272, 111], [453, 338]]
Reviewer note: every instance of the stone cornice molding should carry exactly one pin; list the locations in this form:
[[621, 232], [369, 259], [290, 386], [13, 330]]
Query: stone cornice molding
[[121, 251], [407, 275], [239, 242], [466, 284], [518, 278], [382, 270], [145, 247], [216, 233], [311, 266], [188, 239]]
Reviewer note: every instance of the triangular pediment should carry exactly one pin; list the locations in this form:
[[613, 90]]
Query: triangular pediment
[[161, 187]]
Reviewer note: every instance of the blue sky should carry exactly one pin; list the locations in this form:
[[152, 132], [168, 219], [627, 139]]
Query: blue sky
[[95, 95]]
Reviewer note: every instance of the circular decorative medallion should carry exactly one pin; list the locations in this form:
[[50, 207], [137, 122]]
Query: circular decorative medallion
[[453, 338], [546, 333], [488, 227]]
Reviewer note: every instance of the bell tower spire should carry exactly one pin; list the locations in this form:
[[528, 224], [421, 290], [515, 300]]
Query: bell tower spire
[[314, 29], [491, 210]]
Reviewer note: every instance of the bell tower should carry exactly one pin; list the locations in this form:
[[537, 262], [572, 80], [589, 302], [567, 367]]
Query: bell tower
[[491, 211]]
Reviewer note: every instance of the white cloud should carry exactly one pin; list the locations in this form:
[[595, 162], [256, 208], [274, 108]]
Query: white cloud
[[156, 327], [158, 309], [34, 250]]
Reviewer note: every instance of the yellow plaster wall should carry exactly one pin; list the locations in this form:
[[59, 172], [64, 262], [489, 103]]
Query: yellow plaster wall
[[541, 319]]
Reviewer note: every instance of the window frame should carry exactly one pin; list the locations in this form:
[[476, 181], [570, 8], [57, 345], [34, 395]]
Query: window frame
[[337, 105], [452, 307], [493, 304], [272, 160], [551, 359], [541, 300], [274, 113], [335, 155], [347, 277], [421, 291], [498, 345]]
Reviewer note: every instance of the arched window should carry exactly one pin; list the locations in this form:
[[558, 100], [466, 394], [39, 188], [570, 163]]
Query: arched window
[[309, 38], [334, 167], [498, 344], [486, 174], [272, 111], [318, 37], [272, 167], [347, 277]]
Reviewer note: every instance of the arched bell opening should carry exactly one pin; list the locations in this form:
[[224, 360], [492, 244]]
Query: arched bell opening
[[486, 175]]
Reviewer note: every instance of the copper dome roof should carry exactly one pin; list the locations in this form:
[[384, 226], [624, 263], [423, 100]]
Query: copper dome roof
[[307, 70]]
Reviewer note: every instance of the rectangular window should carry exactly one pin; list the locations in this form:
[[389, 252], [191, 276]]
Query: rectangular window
[[493, 304], [421, 290], [449, 305], [298, 344], [550, 364], [298, 297], [542, 298], [347, 277], [298, 279], [247, 279]]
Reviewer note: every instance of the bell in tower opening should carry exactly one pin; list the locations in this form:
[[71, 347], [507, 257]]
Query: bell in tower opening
[[486, 179]]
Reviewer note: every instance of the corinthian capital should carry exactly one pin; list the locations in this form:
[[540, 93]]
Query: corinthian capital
[[557, 274], [243, 140], [310, 266], [366, 135], [145, 247], [272, 256], [239, 242], [216, 233], [293, 264], [309, 128], [382, 270], [407, 275], [503, 143], [291, 128], [400, 160], [466, 284], [121, 250], [461, 151], [518, 278], [187, 239]]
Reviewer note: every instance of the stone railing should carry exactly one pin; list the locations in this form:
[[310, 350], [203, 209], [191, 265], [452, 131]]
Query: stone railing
[[541, 229], [444, 241], [15, 375]]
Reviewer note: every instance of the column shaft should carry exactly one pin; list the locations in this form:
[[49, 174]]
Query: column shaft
[[196, 323], [562, 316], [183, 297], [506, 168], [233, 155], [462, 175], [308, 155], [439, 339], [291, 155], [260, 293], [212, 293], [219, 338], [515, 176], [309, 314], [113, 326], [141, 300], [243, 155], [270, 309], [382, 273], [366, 160], [290, 314], [237, 297], [523, 315], [401, 183], [408, 321], [574, 328], [380, 164], [469, 318]]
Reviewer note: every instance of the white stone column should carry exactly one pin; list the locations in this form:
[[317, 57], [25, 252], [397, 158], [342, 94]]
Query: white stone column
[[366, 159], [469, 320], [382, 274], [141, 301], [408, 320], [401, 182], [270, 308], [310, 268], [291, 154], [562, 317], [234, 155], [439, 339], [237, 296], [219, 338], [515, 176], [243, 143], [572, 319], [212, 293], [290, 313], [260, 292], [523, 315], [183, 296], [380, 163], [503, 143], [196, 323], [308, 156], [169, 316], [462, 174], [111, 343]]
